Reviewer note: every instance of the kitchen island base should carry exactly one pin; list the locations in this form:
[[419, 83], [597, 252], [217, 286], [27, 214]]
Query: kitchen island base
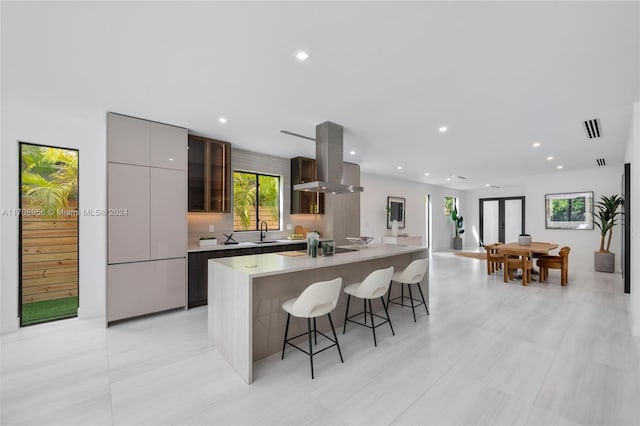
[[246, 320]]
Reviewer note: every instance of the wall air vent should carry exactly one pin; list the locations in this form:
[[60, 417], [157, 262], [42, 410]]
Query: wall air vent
[[601, 162], [461, 177], [593, 128]]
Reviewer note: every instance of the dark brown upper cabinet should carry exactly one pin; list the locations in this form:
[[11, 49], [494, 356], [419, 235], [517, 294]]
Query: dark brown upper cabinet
[[304, 170], [209, 175]]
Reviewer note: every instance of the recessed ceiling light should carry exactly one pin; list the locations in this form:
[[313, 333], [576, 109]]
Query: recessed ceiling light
[[302, 55], [487, 185], [559, 167], [222, 120], [448, 179], [536, 144], [549, 158], [443, 129], [399, 167], [170, 159], [426, 174], [352, 152]]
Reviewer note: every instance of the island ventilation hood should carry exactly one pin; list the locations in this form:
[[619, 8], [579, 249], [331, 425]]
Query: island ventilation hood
[[328, 162]]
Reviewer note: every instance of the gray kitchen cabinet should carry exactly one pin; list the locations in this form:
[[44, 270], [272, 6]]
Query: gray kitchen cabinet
[[147, 217], [139, 288], [167, 146], [168, 213], [128, 140], [145, 143], [128, 208]]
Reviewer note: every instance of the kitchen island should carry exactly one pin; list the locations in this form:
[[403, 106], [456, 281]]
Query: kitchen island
[[245, 318]]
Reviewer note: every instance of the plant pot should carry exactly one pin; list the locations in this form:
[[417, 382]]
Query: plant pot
[[524, 240], [457, 243], [604, 262]]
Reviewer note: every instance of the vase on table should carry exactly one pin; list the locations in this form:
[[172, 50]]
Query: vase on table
[[394, 228]]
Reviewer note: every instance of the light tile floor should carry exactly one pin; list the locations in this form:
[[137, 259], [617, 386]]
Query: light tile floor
[[490, 353]]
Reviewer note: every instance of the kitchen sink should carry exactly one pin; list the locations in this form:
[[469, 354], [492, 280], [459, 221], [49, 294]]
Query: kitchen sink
[[264, 242]]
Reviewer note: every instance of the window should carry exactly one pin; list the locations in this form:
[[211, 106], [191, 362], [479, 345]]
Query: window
[[256, 198], [450, 203]]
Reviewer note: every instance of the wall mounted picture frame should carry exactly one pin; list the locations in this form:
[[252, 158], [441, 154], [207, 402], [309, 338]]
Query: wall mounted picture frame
[[396, 209], [569, 210]]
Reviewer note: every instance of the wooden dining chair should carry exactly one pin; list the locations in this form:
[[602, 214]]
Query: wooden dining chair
[[494, 257], [560, 262], [517, 259]]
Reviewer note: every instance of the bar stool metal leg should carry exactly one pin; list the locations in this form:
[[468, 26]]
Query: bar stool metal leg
[[286, 333], [388, 318], [373, 328], [412, 307], [315, 332], [423, 299], [346, 314], [335, 337], [310, 346], [364, 302], [389, 293]]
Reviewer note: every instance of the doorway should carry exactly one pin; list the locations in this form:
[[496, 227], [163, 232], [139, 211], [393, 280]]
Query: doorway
[[48, 233], [427, 231], [501, 219]]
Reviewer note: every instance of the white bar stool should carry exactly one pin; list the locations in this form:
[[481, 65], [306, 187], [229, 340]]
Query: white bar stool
[[316, 300], [375, 285], [412, 274]]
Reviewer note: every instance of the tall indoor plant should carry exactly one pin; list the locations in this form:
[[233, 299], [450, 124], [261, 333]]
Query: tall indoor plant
[[605, 220], [457, 224]]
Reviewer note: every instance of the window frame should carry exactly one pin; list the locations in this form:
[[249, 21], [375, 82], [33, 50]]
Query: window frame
[[257, 207]]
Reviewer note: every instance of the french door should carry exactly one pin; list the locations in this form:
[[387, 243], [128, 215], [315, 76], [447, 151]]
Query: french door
[[501, 219]]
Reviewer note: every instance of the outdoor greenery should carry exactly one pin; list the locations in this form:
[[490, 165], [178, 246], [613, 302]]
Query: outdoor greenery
[[568, 210], [49, 177], [605, 218], [255, 195], [47, 310], [458, 222], [449, 205]]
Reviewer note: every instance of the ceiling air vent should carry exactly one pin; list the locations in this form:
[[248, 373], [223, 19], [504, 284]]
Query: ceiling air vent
[[461, 177], [593, 128], [601, 162]]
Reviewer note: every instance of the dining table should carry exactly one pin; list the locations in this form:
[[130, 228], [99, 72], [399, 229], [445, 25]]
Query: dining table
[[536, 248]]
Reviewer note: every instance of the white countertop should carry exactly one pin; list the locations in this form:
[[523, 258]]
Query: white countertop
[[261, 265], [246, 244]]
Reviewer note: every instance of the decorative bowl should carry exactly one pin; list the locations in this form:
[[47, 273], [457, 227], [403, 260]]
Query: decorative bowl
[[363, 241]]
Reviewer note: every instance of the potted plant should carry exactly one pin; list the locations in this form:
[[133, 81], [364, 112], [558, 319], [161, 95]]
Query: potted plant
[[605, 220], [457, 224], [524, 239]]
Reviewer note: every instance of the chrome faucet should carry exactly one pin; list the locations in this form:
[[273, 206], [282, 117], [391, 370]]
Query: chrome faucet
[[263, 232]]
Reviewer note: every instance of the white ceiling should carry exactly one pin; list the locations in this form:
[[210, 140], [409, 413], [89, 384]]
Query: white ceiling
[[499, 75]]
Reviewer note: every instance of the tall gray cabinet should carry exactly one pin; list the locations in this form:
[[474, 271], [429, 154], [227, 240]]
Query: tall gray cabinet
[[147, 220]]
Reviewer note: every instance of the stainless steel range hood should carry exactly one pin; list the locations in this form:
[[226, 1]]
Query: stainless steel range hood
[[328, 162]]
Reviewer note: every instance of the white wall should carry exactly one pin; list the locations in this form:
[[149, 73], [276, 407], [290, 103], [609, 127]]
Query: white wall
[[633, 157], [583, 243], [88, 135], [373, 219]]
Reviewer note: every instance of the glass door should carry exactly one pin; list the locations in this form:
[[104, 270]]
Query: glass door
[[48, 226], [501, 219]]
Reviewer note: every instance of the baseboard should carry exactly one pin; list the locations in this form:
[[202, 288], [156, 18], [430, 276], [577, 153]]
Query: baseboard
[[10, 326], [88, 312]]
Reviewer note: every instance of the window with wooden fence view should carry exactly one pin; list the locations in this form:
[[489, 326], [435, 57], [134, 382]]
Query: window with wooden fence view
[[48, 233], [256, 198]]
